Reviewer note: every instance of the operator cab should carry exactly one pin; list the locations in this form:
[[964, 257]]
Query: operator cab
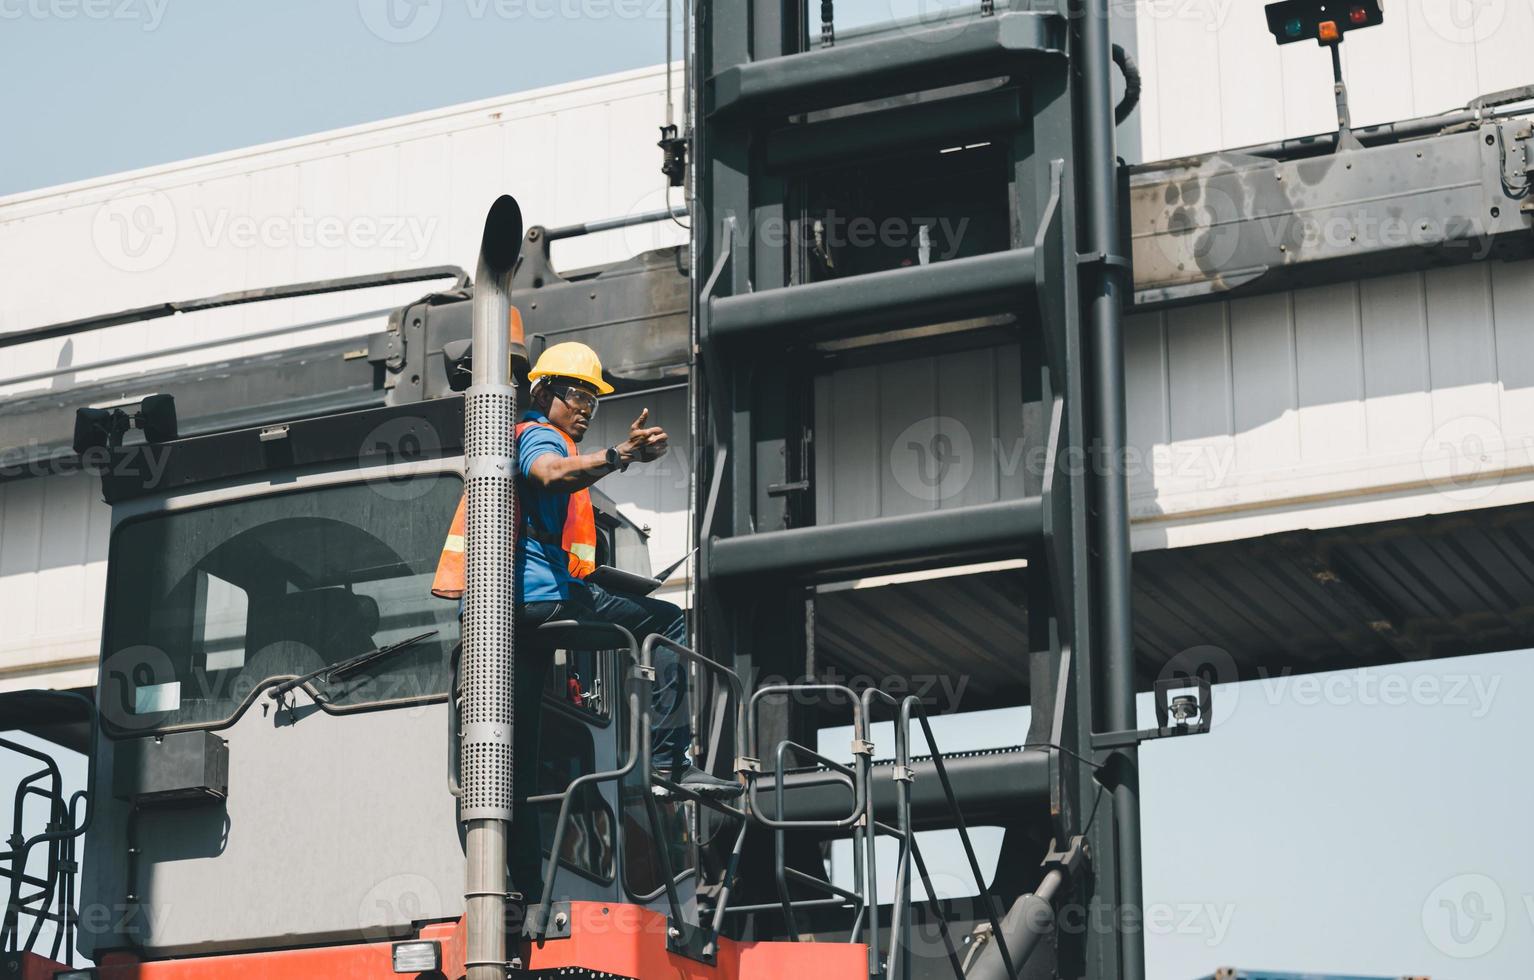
[[275, 765]]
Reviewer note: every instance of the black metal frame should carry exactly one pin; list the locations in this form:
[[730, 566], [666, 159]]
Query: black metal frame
[[1061, 282], [54, 898]]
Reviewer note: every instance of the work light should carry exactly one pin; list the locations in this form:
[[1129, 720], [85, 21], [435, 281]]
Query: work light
[[417, 957]]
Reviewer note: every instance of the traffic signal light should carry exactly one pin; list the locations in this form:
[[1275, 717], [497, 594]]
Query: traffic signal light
[[1323, 21]]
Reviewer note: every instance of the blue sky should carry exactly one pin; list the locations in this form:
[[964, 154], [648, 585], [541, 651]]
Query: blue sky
[[101, 86]]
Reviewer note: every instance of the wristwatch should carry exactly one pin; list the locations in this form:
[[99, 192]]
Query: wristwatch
[[615, 459]]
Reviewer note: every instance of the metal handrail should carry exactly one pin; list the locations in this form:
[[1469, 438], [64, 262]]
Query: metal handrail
[[639, 739], [870, 833], [64, 827], [737, 692], [859, 782], [908, 705]]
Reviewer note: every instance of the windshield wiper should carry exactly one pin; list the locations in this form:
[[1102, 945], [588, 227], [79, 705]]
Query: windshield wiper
[[349, 666]]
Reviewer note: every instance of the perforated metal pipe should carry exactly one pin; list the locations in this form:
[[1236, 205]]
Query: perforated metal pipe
[[489, 598]]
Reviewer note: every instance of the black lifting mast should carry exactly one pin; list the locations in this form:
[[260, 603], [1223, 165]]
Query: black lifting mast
[[1003, 112]]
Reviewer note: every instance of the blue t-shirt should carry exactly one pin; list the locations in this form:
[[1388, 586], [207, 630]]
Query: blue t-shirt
[[544, 569]]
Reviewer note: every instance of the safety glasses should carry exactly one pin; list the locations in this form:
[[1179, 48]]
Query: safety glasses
[[577, 398]]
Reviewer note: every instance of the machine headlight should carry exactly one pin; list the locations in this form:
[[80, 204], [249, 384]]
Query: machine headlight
[[417, 957]]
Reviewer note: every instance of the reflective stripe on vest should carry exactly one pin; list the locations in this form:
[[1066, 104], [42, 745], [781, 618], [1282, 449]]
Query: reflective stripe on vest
[[579, 540]]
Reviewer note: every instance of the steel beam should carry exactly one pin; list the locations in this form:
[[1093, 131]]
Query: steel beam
[[989, 787], [937, 55], [883, 544], [1102, 295], [888, 300]]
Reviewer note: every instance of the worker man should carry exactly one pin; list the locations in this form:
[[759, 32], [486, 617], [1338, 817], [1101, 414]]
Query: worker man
[[556, 551]]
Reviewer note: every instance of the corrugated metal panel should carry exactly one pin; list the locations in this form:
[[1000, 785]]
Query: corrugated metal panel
[[53, 539], [1245, 417], [1348, 597], [402, 192], [1214, 78], [399, 193], [1291, 603], [933, 635], [919, 435], [1413, 385]]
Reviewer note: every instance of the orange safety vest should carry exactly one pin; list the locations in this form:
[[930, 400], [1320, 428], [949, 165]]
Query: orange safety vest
[[579, 540]]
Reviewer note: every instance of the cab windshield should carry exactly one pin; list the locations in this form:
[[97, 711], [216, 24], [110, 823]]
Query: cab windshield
[[207, 606]]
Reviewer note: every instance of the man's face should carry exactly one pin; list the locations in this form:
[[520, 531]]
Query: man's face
[[571, 413]]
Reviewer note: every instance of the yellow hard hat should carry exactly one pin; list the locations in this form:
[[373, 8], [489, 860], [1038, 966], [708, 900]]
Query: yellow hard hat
[[571, 360]]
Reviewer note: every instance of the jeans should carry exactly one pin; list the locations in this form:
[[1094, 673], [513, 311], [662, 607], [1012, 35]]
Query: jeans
[[670, 726]]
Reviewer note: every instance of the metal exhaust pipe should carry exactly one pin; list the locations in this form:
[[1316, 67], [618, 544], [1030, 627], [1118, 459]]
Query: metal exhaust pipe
[[490, 598], [1030, 920]]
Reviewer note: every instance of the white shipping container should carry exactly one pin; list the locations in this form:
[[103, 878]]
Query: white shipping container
[[1376, 400]]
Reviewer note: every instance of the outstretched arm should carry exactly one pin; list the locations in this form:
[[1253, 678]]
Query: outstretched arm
[[567, 474]]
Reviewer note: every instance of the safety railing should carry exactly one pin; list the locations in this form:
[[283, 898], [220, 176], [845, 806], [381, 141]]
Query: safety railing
[[48, 897], [583, 635], [901, 910], [860, 819], [865, 826], [637, 755], [688, 937]]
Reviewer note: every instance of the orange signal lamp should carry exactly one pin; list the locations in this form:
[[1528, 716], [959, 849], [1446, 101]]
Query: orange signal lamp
[[1328, 32]]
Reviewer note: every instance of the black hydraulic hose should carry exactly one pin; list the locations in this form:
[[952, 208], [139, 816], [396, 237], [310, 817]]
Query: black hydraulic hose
[[1132, 84]]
